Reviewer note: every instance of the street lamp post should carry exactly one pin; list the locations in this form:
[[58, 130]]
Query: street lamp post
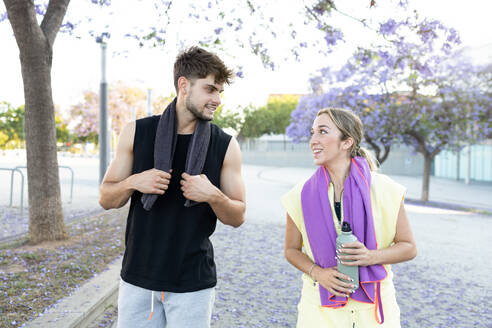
[[103, 117], [149, 102]]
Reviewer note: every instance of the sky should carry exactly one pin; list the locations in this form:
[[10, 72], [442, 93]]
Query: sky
[[76, 62]]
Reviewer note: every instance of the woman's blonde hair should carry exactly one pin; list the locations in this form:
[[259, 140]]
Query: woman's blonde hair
[[351, 127]]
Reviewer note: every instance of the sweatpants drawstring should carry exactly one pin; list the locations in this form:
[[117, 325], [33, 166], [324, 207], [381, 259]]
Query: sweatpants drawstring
[[151, 304]]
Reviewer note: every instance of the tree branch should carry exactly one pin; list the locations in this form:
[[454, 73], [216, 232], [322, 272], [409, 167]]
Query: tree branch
[[362, 21], [53, 19], [420, 140], [386, 154], [22, 17], [438, 149], [374, 146], [333, 7]]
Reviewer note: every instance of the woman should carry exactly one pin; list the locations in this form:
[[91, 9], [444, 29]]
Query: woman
[[346, 188]]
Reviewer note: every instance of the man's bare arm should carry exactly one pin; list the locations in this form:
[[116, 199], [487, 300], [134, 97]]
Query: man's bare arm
[[228, 202], [119, 184]]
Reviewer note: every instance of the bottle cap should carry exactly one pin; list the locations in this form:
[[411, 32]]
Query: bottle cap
[[346, 227]]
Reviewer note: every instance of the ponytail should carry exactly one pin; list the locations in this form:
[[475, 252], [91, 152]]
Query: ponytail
[[365, 153]]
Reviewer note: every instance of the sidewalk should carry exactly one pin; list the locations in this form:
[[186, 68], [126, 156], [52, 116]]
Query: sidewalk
[[442, 193]]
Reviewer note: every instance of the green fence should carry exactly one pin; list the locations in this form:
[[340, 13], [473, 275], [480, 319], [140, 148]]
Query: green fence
[[447, 164]]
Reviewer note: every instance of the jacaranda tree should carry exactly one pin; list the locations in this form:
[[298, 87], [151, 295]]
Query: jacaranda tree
[[408, 87], [36, 23]]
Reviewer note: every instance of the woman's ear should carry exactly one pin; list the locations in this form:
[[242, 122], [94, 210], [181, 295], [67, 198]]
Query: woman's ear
[[347, 143]]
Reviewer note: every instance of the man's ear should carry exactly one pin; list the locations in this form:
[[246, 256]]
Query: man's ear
[[183, 83]]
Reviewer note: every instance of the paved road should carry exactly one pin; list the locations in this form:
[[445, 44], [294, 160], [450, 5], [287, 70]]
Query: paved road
[[447, 285]]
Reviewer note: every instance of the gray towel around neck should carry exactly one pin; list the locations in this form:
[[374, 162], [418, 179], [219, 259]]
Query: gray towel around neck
[[165, 145]]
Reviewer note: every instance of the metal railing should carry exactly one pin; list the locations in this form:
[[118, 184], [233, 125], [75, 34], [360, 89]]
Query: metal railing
[[12, 170], [60, 167], [18, 170]]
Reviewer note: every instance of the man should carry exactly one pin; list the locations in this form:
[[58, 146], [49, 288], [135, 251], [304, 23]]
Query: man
[[168, 266]]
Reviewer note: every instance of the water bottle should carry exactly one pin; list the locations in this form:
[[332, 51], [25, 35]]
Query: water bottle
[[352, 271]]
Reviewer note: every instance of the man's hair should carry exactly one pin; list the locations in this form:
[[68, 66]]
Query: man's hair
[[198, 63]]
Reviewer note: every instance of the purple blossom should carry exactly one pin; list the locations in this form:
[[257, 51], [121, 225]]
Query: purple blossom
[[345, 72], [401, 63], [67, 28], [102, 2], [427, 31], [332, 37], [218, 30], [315, 83], [326, 73], [446, 48], [41, 9], [403, 3], [3, 17], [387, 59], [389, 27], [423, 69], [363, 57], [453, 36], [383, 76], [101, 38]]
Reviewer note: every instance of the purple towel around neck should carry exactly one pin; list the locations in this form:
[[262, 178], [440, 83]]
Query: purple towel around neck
[[165, 145], [322, 235]]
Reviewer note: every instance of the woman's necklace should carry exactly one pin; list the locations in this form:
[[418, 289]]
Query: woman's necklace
[[339, 187]]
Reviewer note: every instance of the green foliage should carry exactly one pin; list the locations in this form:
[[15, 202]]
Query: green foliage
[[3, 139], [256, 122], [227, 119], [280, 108], [270, 119], [11, 127], [62, 133]]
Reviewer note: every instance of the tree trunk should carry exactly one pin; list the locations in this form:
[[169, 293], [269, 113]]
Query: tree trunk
[[387, 150], [426, 177], [36, 50], [45, 208], [378, 150]]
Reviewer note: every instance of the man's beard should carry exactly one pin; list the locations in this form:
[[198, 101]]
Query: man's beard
[[194, 110]]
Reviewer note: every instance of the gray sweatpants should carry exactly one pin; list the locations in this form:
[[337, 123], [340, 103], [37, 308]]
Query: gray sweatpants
[[176, 310]]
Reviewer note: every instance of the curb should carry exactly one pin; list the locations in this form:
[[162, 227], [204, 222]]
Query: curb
[[449, 206], [81, 308]]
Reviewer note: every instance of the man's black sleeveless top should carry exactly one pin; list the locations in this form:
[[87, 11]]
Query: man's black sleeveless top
[[168, 247]]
